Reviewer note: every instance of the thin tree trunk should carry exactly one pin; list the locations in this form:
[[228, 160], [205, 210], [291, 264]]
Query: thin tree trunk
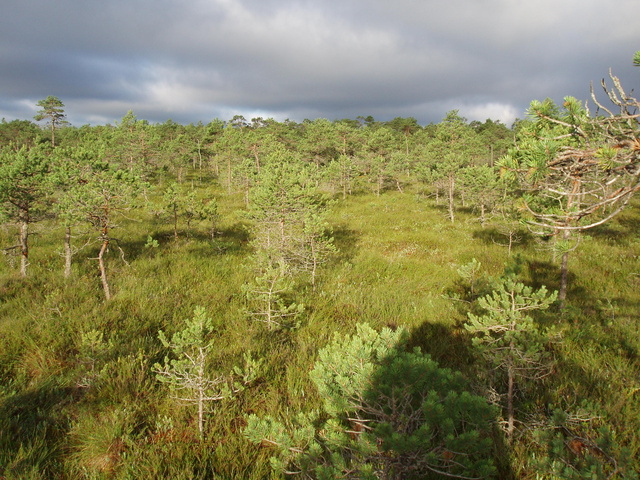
[[103, 270], [24, 247], [175, 222], [255, 154], [270, 312], [201, 394], [314, 264], [564, 272], [451, 192], [283, 237], [67, 252], [510, 414], [566, 234], [199, 161]]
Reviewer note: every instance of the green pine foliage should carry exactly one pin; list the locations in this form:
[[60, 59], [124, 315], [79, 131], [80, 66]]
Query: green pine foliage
[[23, 192], [186, 374], [53, 112], [507, 337], [575, 447], [269, 296], [388, 412]]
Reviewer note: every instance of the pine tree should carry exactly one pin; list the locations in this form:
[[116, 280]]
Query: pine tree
[[506, 336], [70, 169], [269, 295], [289, 216], [454, 146], [387, 413], [577, 171], [23, 175], [172, 201], [101, 195], [208, 211], [480, 187], [187, 374], [52, 111]]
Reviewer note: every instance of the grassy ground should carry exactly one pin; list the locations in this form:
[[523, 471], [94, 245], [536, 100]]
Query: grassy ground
[[70, 408]]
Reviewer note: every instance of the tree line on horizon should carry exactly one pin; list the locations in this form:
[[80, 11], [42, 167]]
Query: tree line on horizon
[[561, 170]]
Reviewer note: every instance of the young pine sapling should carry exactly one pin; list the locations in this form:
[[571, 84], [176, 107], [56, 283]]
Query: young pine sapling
[[187, 374], [507, 337]]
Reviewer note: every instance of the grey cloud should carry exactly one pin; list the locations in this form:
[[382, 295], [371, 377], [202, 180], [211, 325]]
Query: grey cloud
[[192, 61]]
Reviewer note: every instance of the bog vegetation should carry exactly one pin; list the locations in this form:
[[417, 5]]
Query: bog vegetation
[[325, 299]]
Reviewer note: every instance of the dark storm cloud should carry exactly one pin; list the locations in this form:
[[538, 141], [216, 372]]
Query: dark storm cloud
[[202, 59]]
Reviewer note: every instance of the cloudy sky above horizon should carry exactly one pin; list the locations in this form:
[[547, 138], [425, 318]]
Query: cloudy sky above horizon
[[197, 60]]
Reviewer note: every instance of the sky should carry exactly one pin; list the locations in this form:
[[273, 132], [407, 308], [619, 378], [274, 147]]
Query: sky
[[197, 60]]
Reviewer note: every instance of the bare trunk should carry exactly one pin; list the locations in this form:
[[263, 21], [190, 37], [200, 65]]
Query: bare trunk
[[175, 222], [188, 227], [270, 294], [314, 264], [201, 395], [67, 252], [564, 273], [482, 215], [255, 155], [566, 234], [199, 162], [510, 391], [451, 192], [283, 238], [103, 270], [24, 247], [229, 175]]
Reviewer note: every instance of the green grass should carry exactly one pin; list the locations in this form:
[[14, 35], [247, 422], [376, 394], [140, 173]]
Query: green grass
[[397, 265]]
